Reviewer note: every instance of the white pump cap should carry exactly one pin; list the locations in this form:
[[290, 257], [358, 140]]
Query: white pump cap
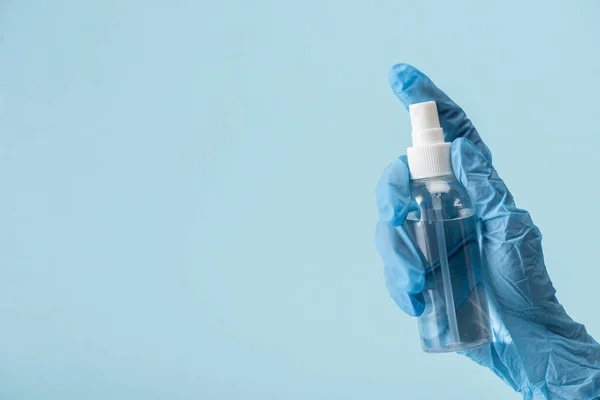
[[430, 155]]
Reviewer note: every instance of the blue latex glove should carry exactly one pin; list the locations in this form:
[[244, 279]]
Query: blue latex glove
[[537, 348]]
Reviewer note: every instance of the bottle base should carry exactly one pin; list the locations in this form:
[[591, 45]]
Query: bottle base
[[458, 346]]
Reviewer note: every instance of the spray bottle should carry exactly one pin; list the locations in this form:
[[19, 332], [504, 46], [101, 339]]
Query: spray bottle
[[444, 228]]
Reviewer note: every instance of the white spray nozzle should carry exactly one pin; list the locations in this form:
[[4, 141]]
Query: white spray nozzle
[[430, 155], [425, 123]]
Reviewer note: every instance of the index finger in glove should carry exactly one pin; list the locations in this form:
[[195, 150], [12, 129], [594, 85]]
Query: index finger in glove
[[412, 86]]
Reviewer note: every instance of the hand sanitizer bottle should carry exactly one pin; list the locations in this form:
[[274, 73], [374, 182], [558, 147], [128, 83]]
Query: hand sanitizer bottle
[[444, 228]]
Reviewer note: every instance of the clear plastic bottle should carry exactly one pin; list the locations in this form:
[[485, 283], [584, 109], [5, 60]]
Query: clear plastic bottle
[[443, 226]]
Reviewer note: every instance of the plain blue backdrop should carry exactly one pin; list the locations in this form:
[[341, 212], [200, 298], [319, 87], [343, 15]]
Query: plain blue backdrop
[[187, 188]]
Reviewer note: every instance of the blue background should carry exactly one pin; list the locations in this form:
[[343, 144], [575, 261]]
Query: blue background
[[187, 188]]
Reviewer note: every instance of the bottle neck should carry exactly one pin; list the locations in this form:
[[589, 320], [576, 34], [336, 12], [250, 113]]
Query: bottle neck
[[445, 178]]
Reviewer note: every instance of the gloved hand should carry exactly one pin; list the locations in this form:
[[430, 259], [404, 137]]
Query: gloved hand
[[537, 348]]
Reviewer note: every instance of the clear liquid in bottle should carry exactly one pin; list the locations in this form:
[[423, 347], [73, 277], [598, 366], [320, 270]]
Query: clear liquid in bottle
[[445, 231]]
